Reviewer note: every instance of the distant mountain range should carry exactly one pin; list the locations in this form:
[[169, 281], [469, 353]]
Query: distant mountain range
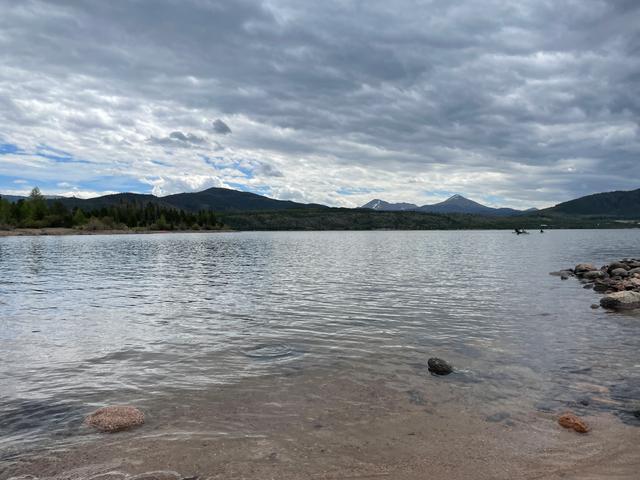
[[453, 204], [215, 199], [619, 204], [625, 204]]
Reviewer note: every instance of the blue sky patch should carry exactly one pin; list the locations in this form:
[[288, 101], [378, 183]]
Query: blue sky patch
[[9, 148]]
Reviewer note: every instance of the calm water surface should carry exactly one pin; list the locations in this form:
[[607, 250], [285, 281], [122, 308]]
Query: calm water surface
[[92, 320]]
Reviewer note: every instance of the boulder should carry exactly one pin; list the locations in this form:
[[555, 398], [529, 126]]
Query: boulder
[[595, 306], [439, 366], [634, 271], [632, 283], [619, 272], [614, 265], [593, 274], [625, 300], [584, 267], [571, 421], [115, 418], [602, 285]]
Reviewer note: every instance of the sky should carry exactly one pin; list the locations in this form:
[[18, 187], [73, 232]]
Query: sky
[[524, 103]]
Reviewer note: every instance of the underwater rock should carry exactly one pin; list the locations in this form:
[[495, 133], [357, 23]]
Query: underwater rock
[[115, 418]]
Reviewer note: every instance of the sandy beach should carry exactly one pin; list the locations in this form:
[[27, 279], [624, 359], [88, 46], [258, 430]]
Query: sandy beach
[[336, 427]]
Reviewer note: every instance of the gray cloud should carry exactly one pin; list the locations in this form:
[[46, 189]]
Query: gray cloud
[[267, 170], [179, 139], [220, 127], [518, 102]]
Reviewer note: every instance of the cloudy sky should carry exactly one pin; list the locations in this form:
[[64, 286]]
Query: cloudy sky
[[519, 103]]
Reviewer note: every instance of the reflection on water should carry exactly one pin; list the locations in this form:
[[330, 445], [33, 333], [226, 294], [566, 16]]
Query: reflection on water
[[87, 321]]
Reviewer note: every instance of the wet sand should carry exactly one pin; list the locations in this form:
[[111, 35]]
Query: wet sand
[[338, 425]]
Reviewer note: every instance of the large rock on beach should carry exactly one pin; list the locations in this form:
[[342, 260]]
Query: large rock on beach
[[572, 422], [115, 418], [625, 300], [439, 366]]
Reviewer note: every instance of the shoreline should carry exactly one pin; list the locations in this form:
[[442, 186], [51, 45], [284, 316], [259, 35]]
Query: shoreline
[[61, 231], [58, 232], [337, 426]]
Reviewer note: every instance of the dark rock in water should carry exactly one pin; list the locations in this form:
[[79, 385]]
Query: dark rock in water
[[601, 285], [595, 306], [584, 401], [592, 275], [619, 272], [588, 286], [564, 277], [561, 273], [616, 265], [625, 300], [439, 366]]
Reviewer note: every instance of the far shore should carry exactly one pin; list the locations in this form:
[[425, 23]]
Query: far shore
[[36, 232], [49, 231]]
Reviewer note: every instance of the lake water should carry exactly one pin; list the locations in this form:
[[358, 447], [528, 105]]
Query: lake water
[[152, 320]]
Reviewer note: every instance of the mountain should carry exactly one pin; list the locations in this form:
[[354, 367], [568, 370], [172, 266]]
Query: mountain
[[454, 204], [13, 198], [216, 199], [16, 198], [623, 204], [383, 206], [225, 200]]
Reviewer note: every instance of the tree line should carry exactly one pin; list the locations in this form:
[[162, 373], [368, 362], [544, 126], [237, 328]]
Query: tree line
[[37, 212]]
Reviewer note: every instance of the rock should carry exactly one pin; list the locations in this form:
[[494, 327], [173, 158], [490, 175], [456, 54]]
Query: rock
[[115, 418], [634, 271], [633, 283], [616, 265], [593, 274], [601, 285], [566, 272], [584, 267], [625, 300], [564, 277], [439, 366], [595, 306], [619, 272], [569, 420]]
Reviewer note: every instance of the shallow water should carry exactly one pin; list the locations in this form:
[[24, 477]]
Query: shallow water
[[156, 320]]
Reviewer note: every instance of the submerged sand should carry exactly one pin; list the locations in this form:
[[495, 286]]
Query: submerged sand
[[337, 426]]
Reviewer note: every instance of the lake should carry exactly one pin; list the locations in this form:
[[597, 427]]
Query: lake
[[268, 325]]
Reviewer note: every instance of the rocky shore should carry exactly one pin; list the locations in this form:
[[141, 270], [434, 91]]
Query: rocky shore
[[618, 281]]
